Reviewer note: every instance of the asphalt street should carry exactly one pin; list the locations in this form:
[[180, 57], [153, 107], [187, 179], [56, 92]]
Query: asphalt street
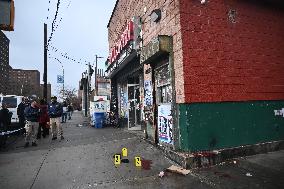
[[85, 160]]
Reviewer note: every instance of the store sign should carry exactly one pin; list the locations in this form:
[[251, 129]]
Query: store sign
[[124, 40], [157, 46], [165, 124]]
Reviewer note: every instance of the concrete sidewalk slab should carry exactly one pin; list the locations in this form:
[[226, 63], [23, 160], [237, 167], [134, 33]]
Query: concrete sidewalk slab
[[85, 160]]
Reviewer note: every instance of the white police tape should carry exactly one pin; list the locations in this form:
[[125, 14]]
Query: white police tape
[[9, 132]]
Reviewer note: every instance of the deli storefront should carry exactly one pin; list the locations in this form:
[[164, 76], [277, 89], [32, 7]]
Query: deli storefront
[[126, 74]]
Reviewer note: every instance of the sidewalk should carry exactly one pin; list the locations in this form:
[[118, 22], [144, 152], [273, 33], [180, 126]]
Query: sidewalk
[[85, 160]]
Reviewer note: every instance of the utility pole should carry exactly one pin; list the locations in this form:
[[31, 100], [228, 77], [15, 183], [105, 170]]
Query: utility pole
[[45, 64]]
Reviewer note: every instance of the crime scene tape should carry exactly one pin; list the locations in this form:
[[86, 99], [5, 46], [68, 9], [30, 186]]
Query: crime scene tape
[[9, 132]]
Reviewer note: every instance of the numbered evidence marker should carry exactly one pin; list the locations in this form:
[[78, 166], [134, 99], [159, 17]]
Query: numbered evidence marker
[[117, 159], [124, 152], [137, 161]]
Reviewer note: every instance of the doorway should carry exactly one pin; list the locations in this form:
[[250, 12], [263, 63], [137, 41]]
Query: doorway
[[134, 110]]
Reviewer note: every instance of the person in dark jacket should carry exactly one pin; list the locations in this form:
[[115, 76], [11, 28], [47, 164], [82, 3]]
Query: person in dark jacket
[[5, 117], [43, 120], [21, 112], [69, 111], [32, 114], [55, 111], [64, 114], [5, 121]]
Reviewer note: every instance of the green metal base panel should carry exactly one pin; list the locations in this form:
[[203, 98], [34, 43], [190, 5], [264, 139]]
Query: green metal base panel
[[209, 126]]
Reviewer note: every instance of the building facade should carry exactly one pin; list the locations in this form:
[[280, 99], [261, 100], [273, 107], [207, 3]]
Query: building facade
[[4, 63], [199, 76], [25, 82]]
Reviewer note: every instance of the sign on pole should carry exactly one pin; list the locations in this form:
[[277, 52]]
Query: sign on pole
[[60, 79]]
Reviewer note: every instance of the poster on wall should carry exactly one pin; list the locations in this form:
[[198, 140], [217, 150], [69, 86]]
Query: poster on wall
[[123, 102], [165, 124], [148, 99]]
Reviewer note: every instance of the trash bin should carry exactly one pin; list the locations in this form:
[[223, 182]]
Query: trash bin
[[99, 118]]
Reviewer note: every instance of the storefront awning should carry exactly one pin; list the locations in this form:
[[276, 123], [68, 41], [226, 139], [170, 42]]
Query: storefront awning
[[127, 59], [158, 46]]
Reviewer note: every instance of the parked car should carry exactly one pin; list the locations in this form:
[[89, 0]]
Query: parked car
[[12, 102]]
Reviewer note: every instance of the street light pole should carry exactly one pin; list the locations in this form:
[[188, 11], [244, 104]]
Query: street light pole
[[63, 81], [96, 77]]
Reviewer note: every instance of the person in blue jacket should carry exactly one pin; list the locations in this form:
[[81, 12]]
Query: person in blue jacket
[[32, 113], [55, 111]]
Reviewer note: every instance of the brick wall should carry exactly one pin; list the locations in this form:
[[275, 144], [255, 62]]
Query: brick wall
[[235, 59], [169, 25]]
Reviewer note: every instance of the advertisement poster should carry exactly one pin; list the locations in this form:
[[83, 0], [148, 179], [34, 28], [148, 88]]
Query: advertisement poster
[[148, 100], [165, 124], [100, 106]]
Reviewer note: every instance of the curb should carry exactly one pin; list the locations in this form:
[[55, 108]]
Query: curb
[[209, 158]]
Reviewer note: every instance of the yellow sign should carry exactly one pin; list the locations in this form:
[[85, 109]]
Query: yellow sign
[[124, 152], [117, 159], [137, 161]]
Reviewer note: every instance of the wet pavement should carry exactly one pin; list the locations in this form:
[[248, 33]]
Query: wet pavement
[[85, 160]]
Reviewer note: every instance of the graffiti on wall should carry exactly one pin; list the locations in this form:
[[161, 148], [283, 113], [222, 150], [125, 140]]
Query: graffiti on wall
[[148, 100], [165, 124]]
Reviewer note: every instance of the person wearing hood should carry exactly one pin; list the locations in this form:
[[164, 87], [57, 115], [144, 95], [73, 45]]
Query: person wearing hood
[[55, 111]]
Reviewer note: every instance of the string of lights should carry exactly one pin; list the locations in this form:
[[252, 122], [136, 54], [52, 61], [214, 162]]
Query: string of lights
[[54, 21], [48, 10], [67, 57]]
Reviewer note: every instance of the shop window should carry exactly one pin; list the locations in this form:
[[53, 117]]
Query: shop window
[[164, 88], [164, 94]]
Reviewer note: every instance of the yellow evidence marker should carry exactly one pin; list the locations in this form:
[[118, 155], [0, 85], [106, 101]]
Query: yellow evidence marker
[[117, 159], [124, 152], [137, 161]]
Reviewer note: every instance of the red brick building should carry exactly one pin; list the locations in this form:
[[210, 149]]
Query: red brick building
[[200, 75], [24, 82]]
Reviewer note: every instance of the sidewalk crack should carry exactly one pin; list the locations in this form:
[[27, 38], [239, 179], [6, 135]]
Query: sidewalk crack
[[41, 164]]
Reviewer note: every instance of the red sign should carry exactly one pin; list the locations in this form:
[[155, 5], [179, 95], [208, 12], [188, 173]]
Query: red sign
[[125, 38]]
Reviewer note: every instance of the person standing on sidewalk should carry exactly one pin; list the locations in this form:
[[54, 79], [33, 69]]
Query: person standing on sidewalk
[[5, 121], [55, 111], [64, 114], [43, 119], [21, 112], [70, 111], [32, 114]]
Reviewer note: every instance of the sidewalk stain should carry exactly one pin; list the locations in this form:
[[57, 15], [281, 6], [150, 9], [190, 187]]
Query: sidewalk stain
[[146, 164]]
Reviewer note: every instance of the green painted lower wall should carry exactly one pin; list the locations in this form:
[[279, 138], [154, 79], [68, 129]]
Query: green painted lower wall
[[208, 126]]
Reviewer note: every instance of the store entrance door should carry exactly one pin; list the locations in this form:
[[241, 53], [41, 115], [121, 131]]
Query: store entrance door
[[134, 112]]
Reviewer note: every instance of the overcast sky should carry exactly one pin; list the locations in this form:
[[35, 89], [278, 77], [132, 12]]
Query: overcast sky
[[82, 33]]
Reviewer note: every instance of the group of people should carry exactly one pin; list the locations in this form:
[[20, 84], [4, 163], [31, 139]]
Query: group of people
[[37, 117]]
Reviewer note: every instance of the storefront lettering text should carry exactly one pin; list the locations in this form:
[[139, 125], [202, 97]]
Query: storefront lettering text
[[125, 38]]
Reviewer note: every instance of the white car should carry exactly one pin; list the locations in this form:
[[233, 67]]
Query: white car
[[12, 102]]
